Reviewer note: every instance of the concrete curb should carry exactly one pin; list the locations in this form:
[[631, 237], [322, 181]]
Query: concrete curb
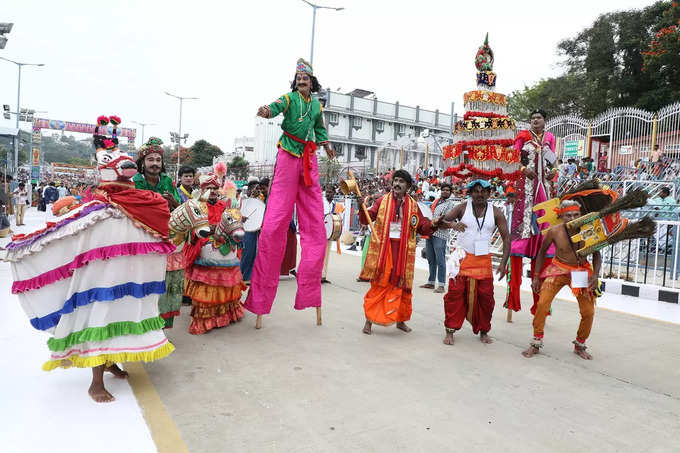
[[649, 292]]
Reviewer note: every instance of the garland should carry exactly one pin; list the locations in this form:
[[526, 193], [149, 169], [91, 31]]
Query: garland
[[472, 114], [484, 124], [495, 173], [485, 96], [487, 78], [453, 151]]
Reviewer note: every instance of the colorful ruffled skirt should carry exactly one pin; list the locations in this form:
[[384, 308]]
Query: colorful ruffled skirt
[[95, 292], [216, 296]]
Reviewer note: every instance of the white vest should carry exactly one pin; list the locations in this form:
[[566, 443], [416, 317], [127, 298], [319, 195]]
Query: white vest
[[473, 233]]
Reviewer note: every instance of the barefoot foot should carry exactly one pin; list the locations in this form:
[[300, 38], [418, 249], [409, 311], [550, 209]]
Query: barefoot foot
[[403, 326], [367, 328], [449, 338], [532, 351], [485, 338], [116, 371], [99, 394]]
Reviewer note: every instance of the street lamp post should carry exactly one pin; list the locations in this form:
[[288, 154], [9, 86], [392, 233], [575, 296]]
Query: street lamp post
[[16, 142], [143, 126], [181, 100], [314, 8]]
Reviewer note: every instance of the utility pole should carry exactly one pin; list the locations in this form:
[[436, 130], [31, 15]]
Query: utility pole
[[179, 140], [314, 8]]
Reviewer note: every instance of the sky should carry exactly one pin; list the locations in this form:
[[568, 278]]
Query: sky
[[119, 57]]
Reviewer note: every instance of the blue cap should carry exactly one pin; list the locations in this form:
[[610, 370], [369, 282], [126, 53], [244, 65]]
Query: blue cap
[[482, 182]]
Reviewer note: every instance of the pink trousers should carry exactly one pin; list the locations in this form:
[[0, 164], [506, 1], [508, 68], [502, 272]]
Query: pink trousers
[[288, 189]]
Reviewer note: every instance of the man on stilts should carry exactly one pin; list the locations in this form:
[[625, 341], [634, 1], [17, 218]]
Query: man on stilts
[[295, 184]]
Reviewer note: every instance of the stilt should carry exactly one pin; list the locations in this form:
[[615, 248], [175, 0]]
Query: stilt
[[258, 322], [318, 316], [509, 317]]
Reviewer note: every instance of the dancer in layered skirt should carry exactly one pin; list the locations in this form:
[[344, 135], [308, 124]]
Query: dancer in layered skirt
[[92, 278]]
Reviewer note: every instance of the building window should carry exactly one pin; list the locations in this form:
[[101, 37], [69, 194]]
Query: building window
[[360, 152], [338, 148], [356, 122], [401, 129], [379, 126], [333, 118]]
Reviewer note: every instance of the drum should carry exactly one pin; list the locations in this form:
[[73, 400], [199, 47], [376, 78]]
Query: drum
[[253, 210], [333, 226]]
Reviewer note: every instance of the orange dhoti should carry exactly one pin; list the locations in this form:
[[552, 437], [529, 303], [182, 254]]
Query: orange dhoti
[[470, 295], [558, 275], [385, 303]]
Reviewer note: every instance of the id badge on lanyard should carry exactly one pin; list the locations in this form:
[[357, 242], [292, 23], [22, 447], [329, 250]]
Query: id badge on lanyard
[[481, 247], [395, 230], [579, 279]]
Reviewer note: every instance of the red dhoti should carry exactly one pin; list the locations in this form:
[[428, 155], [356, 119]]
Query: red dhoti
[[470, 295]]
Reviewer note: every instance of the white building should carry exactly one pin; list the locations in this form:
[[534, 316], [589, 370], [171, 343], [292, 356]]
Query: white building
[[244, 147], [371, 136], [267, 134]]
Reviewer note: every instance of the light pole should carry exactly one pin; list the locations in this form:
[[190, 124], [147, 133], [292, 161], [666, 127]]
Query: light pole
[[181, 100], [143, 126], [16, 142], [314, 8]]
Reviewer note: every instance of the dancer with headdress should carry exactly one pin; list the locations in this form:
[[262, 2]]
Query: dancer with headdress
[[151, 176], [92, 278], [214, 281], [582, 222], [295, 184]]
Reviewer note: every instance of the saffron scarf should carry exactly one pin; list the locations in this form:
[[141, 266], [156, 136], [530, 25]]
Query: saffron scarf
[[402, 273]]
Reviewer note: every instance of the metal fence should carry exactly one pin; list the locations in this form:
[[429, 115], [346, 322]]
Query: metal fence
[[618, 136]]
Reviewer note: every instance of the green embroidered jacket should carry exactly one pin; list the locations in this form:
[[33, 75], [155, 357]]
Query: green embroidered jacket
[[311, 128], [165, 184]]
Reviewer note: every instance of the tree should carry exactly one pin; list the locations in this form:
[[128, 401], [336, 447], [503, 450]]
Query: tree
[[238, 168], [202, 153], [603, 67]]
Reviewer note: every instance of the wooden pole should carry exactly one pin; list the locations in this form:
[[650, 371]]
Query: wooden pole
[[655, 129], [258, 322], [318, 316], [427, 154]]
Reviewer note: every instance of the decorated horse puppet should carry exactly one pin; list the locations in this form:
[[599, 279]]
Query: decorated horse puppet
[[92, 278], [212, 272]]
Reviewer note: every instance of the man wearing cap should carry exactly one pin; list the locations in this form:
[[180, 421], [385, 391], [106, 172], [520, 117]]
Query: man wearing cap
[[151, 173], [470, 294], [151, 176], [295, 184], [391, 254]]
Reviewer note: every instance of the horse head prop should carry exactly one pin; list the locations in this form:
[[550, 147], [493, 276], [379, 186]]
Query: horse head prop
[[186, 218], [112, 163], [230, 226]]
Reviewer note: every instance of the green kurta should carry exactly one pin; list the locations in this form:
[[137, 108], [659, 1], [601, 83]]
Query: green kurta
[[170, 302], [165, 184], [302, 118]]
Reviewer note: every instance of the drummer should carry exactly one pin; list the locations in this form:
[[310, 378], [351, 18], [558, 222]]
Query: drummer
[[252, 232], [328, 209]]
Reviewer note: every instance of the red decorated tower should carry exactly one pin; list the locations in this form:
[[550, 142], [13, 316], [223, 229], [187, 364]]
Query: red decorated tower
[[483, 141]]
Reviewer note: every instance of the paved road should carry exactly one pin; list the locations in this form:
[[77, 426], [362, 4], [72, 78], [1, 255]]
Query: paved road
[[296, 387]]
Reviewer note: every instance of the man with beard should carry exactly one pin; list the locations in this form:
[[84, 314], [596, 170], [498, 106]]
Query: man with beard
[[470, 294], [151, 173], [391, 255], [295, 183], [151, 176]]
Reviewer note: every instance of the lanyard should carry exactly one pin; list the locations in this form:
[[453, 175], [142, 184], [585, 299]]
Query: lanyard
[[477, 220]]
